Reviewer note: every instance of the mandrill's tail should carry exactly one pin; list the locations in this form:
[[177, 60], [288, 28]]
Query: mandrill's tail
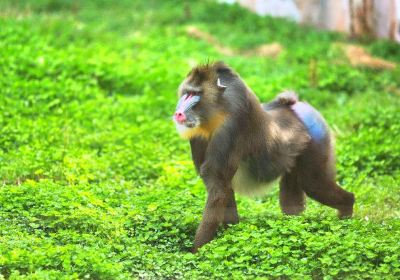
[[287, 98]]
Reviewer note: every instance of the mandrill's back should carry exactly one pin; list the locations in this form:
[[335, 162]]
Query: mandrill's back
[[291, 127], [286, 138]]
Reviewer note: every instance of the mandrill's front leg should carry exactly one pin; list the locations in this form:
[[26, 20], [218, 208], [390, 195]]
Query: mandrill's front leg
[[221, 161], [220, 208], [231, 214]]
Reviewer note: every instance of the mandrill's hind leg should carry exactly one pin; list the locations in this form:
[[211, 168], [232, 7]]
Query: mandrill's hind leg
[[317, 178], [326, 191], [291, 195]]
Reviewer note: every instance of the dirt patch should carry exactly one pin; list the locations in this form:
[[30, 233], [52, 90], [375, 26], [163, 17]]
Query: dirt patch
[[358, 56], [265, 50]]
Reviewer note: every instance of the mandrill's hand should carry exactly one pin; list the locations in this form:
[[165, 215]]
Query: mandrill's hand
[[212, 218]]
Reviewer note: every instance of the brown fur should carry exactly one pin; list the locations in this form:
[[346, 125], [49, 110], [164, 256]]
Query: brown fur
[[264, 142]]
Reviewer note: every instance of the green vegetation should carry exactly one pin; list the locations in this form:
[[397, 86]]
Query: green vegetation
[[95, 182]]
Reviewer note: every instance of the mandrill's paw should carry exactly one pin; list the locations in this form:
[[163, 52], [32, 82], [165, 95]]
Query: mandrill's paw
[[231, 217], [345, 213], [293, 210], [194, 250], [347, 210], [227, 223]]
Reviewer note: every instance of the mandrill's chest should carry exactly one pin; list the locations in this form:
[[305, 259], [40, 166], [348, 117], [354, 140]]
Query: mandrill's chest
[[255, 175]]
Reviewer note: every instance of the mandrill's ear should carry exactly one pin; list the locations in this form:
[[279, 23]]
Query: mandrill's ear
[[224, 74], [220, 86]]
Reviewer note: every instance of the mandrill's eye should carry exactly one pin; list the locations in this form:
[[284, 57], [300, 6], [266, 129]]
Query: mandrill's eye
[[192, 93]]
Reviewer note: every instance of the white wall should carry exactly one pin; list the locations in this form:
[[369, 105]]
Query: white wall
[[334, 14]]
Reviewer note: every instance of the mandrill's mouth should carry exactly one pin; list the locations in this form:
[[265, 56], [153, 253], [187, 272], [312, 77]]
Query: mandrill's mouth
[[190, 124], [186, 123], [186, 128]]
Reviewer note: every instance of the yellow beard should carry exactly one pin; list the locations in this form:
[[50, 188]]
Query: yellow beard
[[204, 130]]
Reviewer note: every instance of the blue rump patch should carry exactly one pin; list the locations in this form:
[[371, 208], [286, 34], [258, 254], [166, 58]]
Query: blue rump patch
[[311, 119]]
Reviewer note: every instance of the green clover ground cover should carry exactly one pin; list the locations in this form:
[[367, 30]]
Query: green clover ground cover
[[95, 182]]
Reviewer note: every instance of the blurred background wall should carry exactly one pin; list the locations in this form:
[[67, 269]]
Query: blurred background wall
[[374, 18]]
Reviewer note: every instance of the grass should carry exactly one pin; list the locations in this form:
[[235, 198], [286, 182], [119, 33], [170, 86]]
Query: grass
[[95, 182]]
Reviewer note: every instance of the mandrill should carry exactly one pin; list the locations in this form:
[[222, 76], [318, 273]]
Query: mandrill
[[239, 145]]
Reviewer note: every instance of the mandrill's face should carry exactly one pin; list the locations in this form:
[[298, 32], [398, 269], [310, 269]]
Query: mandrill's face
[[198, 111], [187, 115]]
